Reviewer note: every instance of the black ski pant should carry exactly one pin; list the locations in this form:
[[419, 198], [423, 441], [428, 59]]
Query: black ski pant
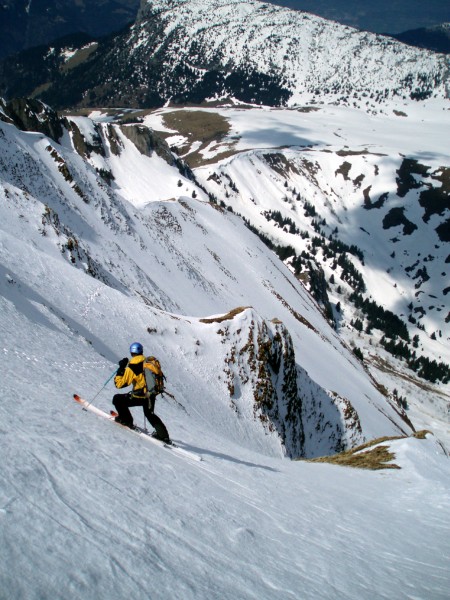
[[123, 403]]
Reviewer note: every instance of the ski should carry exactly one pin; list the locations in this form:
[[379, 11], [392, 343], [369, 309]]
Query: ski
[[115, 414], [142, 433]]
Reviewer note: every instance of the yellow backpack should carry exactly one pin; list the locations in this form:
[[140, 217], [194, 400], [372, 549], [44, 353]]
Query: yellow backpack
[[154, 377]]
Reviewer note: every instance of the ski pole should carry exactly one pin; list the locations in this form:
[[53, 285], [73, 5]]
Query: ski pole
[[101, 390]]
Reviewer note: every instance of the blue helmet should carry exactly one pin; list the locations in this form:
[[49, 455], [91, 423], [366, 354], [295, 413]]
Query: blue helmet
[[136, 348]]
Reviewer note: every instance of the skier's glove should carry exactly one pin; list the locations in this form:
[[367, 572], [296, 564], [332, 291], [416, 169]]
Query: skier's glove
[[122, 366]]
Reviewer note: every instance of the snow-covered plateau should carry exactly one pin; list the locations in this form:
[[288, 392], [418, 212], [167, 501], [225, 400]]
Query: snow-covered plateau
[[107, 238]]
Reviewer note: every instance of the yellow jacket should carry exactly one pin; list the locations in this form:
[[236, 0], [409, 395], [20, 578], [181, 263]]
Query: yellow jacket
[[133, 375]]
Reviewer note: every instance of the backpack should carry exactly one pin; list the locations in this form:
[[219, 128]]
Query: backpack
[[154, 377]]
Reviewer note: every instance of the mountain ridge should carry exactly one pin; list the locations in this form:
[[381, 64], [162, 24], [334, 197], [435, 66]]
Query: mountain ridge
[[169, 257], [435, 38], [178, 52], [331, 265], [27, 25]]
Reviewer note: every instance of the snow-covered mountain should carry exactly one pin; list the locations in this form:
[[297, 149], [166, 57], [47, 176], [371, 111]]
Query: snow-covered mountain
[[183, 257], [357, 205], [102, 242], [289, 268], [309, 55], [257, 52]]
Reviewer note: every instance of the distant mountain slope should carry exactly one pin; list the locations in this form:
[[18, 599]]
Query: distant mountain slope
[[356, 205], [378, 17], [435, 38], [256, 52], [26, 24]]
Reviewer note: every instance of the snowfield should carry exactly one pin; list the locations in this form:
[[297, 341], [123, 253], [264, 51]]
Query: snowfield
[[90, 511], [313, 147]]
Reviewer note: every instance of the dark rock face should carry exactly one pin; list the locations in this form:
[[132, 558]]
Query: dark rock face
[[33, 115]]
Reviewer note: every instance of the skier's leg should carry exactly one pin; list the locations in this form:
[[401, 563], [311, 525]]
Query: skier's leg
[[122, 403], [154, 420], [160, 428]]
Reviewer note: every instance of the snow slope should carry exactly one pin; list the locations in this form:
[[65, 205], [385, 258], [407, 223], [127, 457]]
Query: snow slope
[[89, 511], [180, 256], [343, 162], [312, 57]]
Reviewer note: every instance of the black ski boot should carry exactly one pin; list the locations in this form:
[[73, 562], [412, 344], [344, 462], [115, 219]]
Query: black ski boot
[[129, 424], [162, 438]]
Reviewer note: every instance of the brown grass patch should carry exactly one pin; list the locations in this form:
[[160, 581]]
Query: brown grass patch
[[40, 89], [200, 126], [230, 315], [79, 57], [374, 459], [421, 435], [197, 125]]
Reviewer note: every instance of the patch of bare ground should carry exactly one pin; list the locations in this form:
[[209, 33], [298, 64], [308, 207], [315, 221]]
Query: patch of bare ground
[[228, 317], [373, 455], [348, 152], [308, 109], [208, 128], [79, 57]]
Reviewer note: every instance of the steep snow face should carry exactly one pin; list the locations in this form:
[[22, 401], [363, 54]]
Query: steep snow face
[[309, 55], [404, 250], [89, 511], [320, 180], [190, 258]]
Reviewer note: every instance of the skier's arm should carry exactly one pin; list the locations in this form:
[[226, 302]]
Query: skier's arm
[[124, 374]]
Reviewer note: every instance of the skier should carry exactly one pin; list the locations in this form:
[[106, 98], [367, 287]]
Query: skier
[[132, 373]]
